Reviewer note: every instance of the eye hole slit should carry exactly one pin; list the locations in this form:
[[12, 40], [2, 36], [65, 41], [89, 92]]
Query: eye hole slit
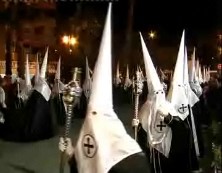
[[94, 113]]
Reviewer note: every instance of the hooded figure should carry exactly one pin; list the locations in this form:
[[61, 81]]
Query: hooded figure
[[128, 82], [128, 87], [26, 90], [37, 69], [2, 97], [141, 73], [57, 106], [15, 116], [163, 78], [117, 79], [32, 121], [58, 85], [204, 74], [152, 115], [200, 76], [103, 145], [208, 74], [38, 123], [87, 85], [202, 111], [118, 92], [193, 78], [195, 115], [2, 104], [182, 154]]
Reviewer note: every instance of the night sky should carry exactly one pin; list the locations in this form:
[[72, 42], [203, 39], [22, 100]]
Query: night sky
[[195, 15], [200, 18]]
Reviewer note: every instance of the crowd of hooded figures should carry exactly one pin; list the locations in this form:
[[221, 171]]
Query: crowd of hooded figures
[[26, 106], [172, 110]]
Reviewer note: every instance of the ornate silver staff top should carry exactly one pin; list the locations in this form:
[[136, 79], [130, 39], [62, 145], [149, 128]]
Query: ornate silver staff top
[[138, 88], [71, 91]]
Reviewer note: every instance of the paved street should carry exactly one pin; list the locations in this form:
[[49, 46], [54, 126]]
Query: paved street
[[44, 156]]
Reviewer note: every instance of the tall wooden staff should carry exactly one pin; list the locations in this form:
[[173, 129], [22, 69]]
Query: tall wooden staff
[[137, 91], [71, 92]]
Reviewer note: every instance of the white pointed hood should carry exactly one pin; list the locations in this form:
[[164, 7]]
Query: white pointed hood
[[186, 74], [58, 85], [194, 82], [177, 93], [141, 72], [87, 85], [27, 72], [44, 64], [26, 90], [192, 100], [197, 65], [102, 129], [2, 102], [58, 73], [37, 69], [128, 82], [192, 97], [153, 80], [208, 74], [192, 72], [200, 76], [127, 71], [117, 79], [158, 138], [87, 76], [204, 74], [41, 86]]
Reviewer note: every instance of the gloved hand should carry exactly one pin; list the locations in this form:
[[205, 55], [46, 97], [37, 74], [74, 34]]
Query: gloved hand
[[162, 111], [66, 146]]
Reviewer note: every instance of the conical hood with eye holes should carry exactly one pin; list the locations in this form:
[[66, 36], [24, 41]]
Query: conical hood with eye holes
[[177, 92], [159, 135], [103, 141]]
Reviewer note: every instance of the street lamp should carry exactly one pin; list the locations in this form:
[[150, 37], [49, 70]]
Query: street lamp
[[73, 41], [65, 39], [70, 41], [152, 34]]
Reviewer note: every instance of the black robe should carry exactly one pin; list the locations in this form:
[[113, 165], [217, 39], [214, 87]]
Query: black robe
[[136, 163], [31, 121], [182, 157], [198, 114], [58, 110], [80, 111], [38, 120], [13, 127]]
